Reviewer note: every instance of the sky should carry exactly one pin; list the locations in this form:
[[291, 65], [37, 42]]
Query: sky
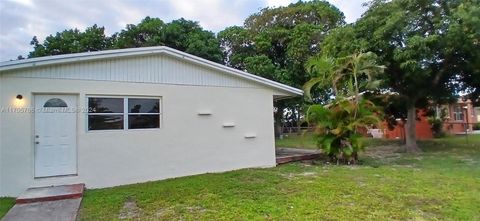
[[20, 20]]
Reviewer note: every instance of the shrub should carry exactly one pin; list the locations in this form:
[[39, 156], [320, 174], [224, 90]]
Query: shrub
[[337, 123], [437, 127], [336, 127]]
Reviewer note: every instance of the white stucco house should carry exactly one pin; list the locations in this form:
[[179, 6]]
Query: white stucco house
[[132, 115]]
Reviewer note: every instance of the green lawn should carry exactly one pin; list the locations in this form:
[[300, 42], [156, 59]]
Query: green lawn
[[442, 183], [304, 141], [5, 205], [307, 141]]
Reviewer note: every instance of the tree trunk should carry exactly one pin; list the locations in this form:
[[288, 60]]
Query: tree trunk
[[278, 116], [410, 130]]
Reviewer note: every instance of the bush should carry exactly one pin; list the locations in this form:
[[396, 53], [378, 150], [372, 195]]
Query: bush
[[476, 126], [336, 127], [437, 127]]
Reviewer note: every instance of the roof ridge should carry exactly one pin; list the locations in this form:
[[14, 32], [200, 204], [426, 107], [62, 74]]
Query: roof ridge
[[96, 55]]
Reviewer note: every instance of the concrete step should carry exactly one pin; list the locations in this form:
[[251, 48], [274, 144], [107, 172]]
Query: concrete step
[[58, 210], [51, 193], [299, 157]]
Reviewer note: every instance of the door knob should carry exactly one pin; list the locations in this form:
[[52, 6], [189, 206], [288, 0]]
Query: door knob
[[37, 142], [36, 136]]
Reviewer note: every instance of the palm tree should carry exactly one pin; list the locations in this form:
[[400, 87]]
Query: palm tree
[[337, 123], [344, 74]]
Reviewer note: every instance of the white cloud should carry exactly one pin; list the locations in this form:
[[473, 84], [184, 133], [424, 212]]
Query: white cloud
[[28, 3], [352, 9], [20, 20], [277, 3]]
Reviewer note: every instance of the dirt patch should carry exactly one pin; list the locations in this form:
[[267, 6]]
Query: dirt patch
[[163, 212], [293, 176], [426, 207], [385, 151], [322, 160], [309, 174], [196, 209], [289, 176], [130, 210], [469, 161], [466, 160], [309, 163]]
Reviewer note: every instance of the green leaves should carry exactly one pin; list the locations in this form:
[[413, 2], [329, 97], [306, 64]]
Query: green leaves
[[149, 32], [71, 41], [319, 115], [427, 45], [341, 42], [346, 76], [261, 65], [338, 124], [275, 43], [180, 34], [327, 144], [287, 36], [320, 68]]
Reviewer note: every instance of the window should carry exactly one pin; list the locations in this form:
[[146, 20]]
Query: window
[[143, 113], [111, 113], [458, 113], [105, 113], [55, 102]]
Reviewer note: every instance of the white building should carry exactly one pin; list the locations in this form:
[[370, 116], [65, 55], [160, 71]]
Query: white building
[[132, 115]]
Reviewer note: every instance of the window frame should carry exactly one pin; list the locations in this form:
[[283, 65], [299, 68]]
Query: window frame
[[458, 113], [125, 113]]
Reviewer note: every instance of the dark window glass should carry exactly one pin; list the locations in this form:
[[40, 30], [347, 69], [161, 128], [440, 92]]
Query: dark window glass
[[142, 105], [105, 105], [55, 102], [143, 121], [105, 122], [112, 114]]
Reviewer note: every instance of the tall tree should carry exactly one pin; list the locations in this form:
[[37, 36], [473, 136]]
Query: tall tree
[[338, 122], [71, 41], [276, 42], [190, 37], [181, 34], [348, 76], [149, 32], [431, 50]]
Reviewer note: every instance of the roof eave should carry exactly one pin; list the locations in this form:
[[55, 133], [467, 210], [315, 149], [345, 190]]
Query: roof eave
[[77, 57], [88, 56]]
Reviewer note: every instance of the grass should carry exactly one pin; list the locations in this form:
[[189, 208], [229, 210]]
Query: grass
[[304, 141], [442, 183], [5, 204], [307, 141]]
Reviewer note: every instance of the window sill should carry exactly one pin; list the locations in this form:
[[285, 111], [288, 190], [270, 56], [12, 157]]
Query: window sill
[[122, 131], [66, 176]]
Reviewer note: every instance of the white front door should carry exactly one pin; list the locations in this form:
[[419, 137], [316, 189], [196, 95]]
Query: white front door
[[55, 135]]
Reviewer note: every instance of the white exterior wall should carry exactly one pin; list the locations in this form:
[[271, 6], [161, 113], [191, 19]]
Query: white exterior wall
[[159, 69], [186, 144], [1, 136]]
